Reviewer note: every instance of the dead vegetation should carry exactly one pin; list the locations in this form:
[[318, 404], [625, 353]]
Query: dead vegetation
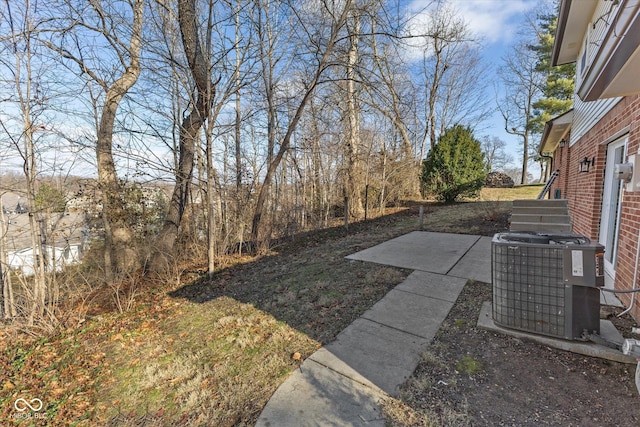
[[201, 351], [211, 352]]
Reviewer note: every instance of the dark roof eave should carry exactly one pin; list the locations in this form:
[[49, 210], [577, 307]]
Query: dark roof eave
[[548, 126], [563, 16]]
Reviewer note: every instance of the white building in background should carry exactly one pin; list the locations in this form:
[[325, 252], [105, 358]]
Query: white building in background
[[62, 241], [56, 257]]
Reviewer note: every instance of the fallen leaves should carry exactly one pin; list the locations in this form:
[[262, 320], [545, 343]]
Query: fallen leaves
[[58, 373], [220, 347]]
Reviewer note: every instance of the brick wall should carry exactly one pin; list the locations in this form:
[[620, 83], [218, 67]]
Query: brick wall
[[584, 190]]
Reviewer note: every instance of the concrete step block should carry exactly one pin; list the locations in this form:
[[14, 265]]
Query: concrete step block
[[539, 211], [550, 203], [540, 226], [549, 218]]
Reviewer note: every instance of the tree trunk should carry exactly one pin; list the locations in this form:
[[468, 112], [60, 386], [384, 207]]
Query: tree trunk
[[352, 190], [189, 129], [433, 94], [39, 283], [383, 186], [238, 119], [28, 153], [525, 158], [180, 196], [394, 114], [119, 254], [8, 304], [211, 223]]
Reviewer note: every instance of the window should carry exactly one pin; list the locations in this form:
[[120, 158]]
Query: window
[[585, 50]]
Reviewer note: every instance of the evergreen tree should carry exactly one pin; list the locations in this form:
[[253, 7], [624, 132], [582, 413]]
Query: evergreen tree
[[558, 88], [455, 167]]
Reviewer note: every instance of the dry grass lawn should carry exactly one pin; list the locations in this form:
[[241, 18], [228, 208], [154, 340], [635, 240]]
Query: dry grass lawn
[[211, 352]]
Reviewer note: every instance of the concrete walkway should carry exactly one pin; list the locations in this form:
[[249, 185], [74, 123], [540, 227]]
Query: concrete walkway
[[342, 383]]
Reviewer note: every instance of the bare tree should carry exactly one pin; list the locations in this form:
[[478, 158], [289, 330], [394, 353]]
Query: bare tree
[[522, 83], [120, 28], [463, 88], [201, 99], [385, 93], [237, 129], [208, 72], [446, 35], [495, 155], [321, 37], [20, 64], [320, 144], [394, 96], [263, 112], [352, 125]]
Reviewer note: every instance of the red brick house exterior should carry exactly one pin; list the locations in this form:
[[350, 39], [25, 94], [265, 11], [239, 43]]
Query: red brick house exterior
[[605, 128]]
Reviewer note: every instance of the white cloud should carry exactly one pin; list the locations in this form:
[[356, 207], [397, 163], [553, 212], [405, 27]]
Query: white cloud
[[492, 21]]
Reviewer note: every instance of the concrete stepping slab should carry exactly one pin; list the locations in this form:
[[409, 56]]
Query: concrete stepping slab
[[315, 395], [410, 313], [333, 359], [476, 263], [433, 285], [607, 331], [609, 298], [420, 250], [373, 354], [342, 383]]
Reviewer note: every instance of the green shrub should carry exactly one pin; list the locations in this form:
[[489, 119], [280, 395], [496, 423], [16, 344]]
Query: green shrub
[[455, 167]]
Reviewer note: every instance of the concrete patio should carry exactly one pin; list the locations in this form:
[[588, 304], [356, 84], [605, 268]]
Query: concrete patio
[[342, 383]]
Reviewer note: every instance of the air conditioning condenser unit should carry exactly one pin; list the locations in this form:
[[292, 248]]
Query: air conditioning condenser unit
[[547, 283]]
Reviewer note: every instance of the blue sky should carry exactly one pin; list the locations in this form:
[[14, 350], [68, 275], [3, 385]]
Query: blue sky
[[496, 23]]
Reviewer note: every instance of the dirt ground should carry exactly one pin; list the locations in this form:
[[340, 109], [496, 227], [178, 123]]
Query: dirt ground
[[470, 376], [291, 302], [467, 376]]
